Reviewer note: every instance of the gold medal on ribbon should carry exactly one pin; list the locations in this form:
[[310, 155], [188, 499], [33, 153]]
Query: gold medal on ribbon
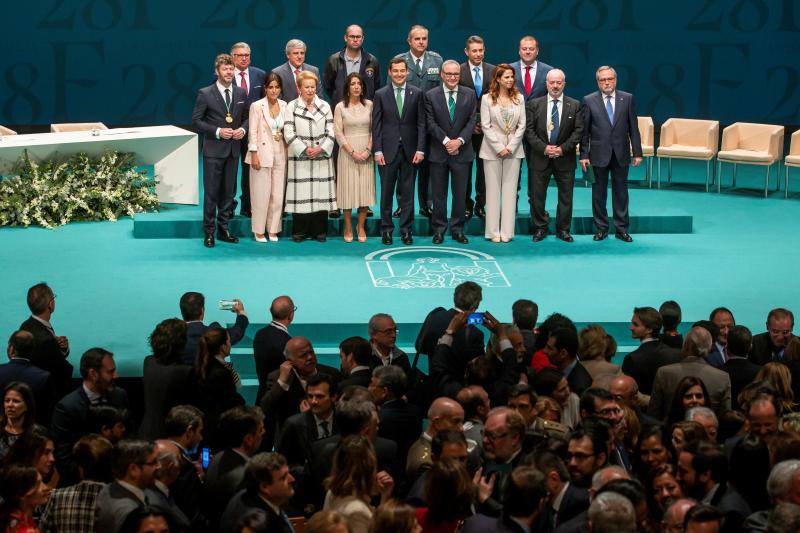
[[229, 118]]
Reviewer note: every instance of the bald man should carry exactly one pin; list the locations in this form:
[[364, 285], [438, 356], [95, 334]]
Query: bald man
[[270, 341], [351, 58], [444, 413], [625, 391], [675, 515], [600, 479]]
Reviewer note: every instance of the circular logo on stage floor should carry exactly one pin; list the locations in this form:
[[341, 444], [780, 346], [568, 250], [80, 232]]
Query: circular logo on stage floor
[[432, 267]]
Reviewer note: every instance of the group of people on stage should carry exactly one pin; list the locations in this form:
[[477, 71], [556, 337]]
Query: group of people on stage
[[434, 119]]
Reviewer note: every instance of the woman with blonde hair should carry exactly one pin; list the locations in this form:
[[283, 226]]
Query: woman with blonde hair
[[503, 124], [592, 350], [395, 516], [779, 376], [326, 522]]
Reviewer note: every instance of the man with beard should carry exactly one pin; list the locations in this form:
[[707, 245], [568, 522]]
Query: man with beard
[[587, 452]]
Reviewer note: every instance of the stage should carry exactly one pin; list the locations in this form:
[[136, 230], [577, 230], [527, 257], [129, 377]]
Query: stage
[[115, 281]]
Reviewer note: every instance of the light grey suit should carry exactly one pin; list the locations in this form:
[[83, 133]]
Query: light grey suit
[[288, 85], [717, 382], [114, 504]]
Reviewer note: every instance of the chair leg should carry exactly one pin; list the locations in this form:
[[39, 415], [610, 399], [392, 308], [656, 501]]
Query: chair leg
[[669, 176], [766, 183], [778, 177], [708, 173], [719, 176], [658, 179], [786, 182], [650, 172], [734, 176]]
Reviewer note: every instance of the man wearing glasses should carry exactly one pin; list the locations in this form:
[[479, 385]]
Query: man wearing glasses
[[383, 337]]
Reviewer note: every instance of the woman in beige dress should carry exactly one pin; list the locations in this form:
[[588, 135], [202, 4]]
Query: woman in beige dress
[[355, 171], [266, 155], [503, 124]]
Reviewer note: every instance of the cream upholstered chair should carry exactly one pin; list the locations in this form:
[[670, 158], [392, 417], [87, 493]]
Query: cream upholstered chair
[[648, 136], [686, 138], [793, 159], [7, 131], [77, 126], [744, 143]]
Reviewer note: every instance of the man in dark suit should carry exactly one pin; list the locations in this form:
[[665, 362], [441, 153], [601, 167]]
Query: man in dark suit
[[251, 81], [383, 339], [723, 319], [502, 450], [450, 111], [295, 62], [643, 362], [398, 139], [562, 350], [193, 310], [525, 497], [356, 359], [318, 422], [739, 368], [352, 58], [611, 133], [71, 414], [553, 128], [400, 421], [220, 116], [268, 486], [183, 427], [469, 341], [50, 350], [20, 350], [476, 75], [769, 346], [270, 341], [524, 314], [565, 500]]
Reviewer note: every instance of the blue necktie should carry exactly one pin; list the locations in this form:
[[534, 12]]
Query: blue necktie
[[609, 110], [478, 82], [554, 120], [288, 522]]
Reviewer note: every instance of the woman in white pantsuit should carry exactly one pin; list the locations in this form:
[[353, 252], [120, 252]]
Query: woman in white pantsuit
[[266, 155], [503, 124]]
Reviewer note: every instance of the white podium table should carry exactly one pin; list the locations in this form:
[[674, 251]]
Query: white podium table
[[171, 150]]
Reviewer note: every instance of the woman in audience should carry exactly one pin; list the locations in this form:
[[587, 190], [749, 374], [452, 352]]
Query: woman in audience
[[310, 187], [548, 409], [18, 416], [22, 491], [779, 376], [35, 448], [670, 313], [166, 381], [633, 427], [684, 432], [502, 114], [662, 487], [355, 171], [552, 383], [266, 155], [449, 495], [395, 516], [354, 480], [592, 351], [690, 392], [653, 450], [147, 520], [326, 522], [217, 380]]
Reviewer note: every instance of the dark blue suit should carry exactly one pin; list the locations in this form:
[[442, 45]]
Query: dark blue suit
[[398, 138], [255, 91], [440, 126], [608, 147], [220, 156], [538, 87], [196, 329], [19, 369]]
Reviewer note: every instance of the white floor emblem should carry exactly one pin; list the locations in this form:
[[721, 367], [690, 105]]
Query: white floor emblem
[[432, 267]]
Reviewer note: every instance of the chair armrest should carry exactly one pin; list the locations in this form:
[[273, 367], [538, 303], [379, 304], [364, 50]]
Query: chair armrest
[[730, 137], [712, 137]]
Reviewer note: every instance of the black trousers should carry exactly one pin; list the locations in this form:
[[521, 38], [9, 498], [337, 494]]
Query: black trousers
[[538, 181], [244, 197], [480, 179], [310, 225], [399, 174], [458, 177], [219, 190], [619, 196]]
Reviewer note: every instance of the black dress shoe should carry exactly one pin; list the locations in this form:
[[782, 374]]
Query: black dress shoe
[[426, 211], [208, 242], [321, 238], [225, 236], [334, 214], [407, 238], [396, 213], [468, 214], [438, 238], [480, 211], [386, 238], [370, 212], [600, 235], [298, 238], [623, 236], [565, 236], [539, 235], [460, 237]]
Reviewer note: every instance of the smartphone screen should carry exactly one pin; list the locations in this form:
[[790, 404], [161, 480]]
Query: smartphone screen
[[205, 457], [475, 318]]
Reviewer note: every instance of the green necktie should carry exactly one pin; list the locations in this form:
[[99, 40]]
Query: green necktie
[[399, 99], [451, 105]]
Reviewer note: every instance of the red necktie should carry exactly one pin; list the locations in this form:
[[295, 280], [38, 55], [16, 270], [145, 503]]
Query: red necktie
[[243, 85], [528, 84]]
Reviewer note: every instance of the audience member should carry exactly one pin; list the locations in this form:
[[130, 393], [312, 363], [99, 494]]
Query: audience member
[[689, 392], [355, 354], [467, 342], [395, 516], [599, 480], [525, 496], [592, 344], [671, 317], [20, 368], [184, 428], [447, 444], [625, 391], [326, 522], [785, 518], [562, 350], [551, 382], [662, 488], [35, 448], [587, 453], [565, 501], [675, 515], [449, 496], [161, 494], [706, 418], [653, 450], [21, 492], [770, 345], [783, 486], [148, 520], [444, 413], [270, 341], [780, 378], [643, 363], [193, 310], [18, 417], [740, 369], [704, 518], [475, 401], [684, 432], [611, 513], [108, 421], [722, 317], [524, 314], [399, 421]]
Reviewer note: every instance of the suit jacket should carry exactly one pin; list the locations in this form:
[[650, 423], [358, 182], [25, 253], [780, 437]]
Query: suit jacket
[[599, 366], [537, 134], [179, 521], [643, 363], [244, 502], [361, 378], [259, 139], [209, 114], [715, 358], [480, 523], [335, 75], [495, 137], [224, 478], [601, 138], [215, 395], [468, 342], [255, 90], [114, 504], [188, 491], [298, 433], [288, 85], [579, 524], [40, 382], [195, 329], [48, 356], [742, 372], [268, 345], [399, 358], [717, 382], [487, 72], [733, 506], [579, 379], [440, 126], [164, 386], [574, 502], [429, 77], [539, 86], [390, 130], [279, 404], [400, 422], [763, 350]]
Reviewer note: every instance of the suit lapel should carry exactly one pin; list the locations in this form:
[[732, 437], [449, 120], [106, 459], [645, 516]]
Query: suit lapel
[[406, 97], [218, 98], [618, 103], [467, 74]]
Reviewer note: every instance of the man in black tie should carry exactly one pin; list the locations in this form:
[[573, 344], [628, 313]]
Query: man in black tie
[[451, 114], [553, 128], [611, 133], [220, 115]]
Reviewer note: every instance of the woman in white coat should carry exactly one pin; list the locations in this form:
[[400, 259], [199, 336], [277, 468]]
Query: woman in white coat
[[503, 124], [266, 155]]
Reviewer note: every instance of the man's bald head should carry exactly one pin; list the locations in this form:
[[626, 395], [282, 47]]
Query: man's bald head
[[606, 475], [676, 513], [624, 390], [282, 308], [445, 413], [21, 344], [697, 343], [300, 352]]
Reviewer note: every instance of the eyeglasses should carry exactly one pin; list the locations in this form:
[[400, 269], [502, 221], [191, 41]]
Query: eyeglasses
[[241, 55], [603, 80], [451, 74], [579, 456], [387, 331], [495, 436]]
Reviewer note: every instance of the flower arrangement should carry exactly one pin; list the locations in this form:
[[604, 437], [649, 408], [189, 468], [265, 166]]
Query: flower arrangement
[[53, 193]]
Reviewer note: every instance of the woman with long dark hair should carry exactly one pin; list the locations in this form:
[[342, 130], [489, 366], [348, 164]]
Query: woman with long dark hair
[[35, 448], [690, 392], [18, 415], [449, 495], [22, 491]]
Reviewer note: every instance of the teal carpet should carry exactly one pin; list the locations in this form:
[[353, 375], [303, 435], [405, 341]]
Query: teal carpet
[[113, 288]]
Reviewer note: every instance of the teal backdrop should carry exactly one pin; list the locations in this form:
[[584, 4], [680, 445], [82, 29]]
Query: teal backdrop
[[140, 62]]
